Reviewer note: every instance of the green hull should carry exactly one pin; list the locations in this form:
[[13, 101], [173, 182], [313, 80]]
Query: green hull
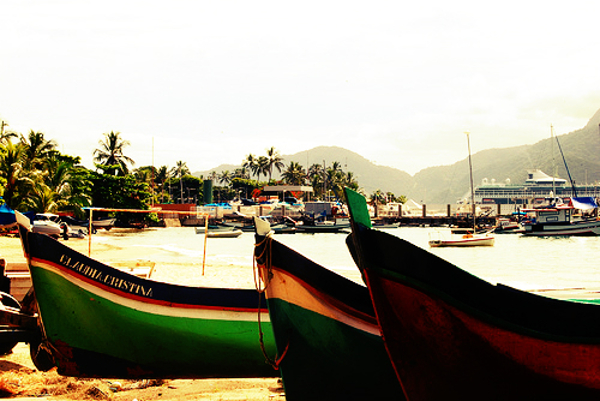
[[326, 357], [107, 338]]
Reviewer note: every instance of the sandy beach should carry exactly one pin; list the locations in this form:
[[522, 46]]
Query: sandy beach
[[19, 378]]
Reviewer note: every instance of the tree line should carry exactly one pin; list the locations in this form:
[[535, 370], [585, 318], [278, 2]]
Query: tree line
[[35, 176]]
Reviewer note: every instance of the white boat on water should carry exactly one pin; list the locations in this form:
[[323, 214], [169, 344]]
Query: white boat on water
[[464, 241], [467, 240], [508, 226]]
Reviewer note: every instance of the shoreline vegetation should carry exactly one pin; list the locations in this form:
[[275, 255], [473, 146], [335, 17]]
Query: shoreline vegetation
[[36, 177], [20, 379]]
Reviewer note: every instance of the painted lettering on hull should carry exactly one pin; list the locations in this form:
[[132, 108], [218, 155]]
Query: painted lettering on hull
[[108, 279]]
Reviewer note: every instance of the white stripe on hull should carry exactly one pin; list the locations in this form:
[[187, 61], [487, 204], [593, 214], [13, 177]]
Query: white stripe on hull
[[162, 310], [285, 287]]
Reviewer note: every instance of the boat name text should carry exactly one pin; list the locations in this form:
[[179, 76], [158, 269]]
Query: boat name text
[[104, 278]]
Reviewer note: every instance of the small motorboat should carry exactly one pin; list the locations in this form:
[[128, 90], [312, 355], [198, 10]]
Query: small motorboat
[[106, 223]]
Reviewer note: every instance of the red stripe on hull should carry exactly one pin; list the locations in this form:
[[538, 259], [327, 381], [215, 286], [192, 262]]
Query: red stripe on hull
[[128, 295], [440, 352], [325, 298]]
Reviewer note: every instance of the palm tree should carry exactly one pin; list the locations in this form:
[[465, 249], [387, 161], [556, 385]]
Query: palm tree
[[65, 186], [162, 175], [5, 135], [377, 197], [294, 174], [111, 154], [261, 167], [225, 177], [316, 176], [180, 170], [350, 181], [144, 174], [36, 150], [251, 163], [14, 174], [335, 181], [241, 173], [273, 160], [42, 199]]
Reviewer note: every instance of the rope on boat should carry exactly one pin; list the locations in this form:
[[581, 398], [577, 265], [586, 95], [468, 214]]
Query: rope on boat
[[266, 253]]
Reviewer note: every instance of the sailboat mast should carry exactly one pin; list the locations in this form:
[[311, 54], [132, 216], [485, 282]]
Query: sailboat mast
[[471, 178], [554, 172], [573, 189]]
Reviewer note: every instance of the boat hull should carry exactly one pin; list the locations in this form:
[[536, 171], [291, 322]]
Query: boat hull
[[51, 229], [476, 359], [326, 333], [451, 335], [101, 322], [224, 232], [586, 228], [463, 242], [344, 229]]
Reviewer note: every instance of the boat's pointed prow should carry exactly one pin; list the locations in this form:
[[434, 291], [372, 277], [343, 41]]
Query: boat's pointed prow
[[357, 205], [23, 220], [262, 227]]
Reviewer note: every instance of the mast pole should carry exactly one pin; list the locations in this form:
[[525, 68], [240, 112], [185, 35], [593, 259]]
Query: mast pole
[[554, 172], [471, 178]]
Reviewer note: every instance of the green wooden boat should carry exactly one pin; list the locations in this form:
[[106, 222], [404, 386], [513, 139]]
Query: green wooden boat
[[328, 341], [98, 321]]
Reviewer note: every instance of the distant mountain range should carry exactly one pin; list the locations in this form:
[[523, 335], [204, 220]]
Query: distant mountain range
[[447, 184]]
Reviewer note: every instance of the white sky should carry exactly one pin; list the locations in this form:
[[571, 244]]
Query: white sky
[[212, 81]]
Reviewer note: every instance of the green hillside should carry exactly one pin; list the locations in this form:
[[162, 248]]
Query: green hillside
[[581, 150], [447, 184]]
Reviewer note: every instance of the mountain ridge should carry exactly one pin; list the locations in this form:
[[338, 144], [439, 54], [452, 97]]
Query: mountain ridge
[[448, 183]]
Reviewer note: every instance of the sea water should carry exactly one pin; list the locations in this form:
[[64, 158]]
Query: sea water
[[522, 262]]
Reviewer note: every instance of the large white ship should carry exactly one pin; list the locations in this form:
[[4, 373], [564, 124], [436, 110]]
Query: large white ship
[[537, 187]]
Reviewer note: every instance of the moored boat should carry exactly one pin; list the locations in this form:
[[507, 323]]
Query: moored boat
[[451, 335], [466, 240], [99, 321], [337, 225], [562, 219], [219, 231], [327, 337], [472, 238], [106, 223], [508, 226]]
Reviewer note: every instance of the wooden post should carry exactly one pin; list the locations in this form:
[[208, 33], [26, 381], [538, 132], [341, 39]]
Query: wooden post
[[90, 234], [448, 210], [424, 210], [205, 238]]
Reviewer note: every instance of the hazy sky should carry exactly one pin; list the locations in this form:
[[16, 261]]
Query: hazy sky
[[209, 82]]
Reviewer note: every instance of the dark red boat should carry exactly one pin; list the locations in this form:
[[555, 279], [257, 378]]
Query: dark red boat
[[451, 335]]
